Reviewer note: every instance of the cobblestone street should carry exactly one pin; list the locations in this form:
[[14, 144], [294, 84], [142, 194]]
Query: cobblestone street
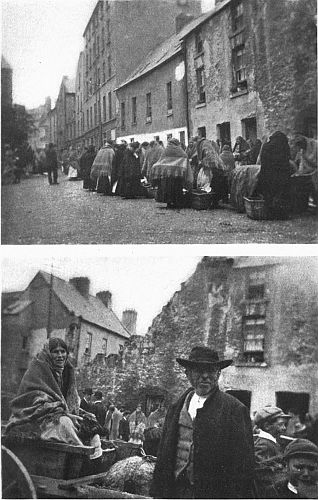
[[35, 213]]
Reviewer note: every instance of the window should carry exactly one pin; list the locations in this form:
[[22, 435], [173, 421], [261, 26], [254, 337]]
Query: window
[[87, 118], [109, 64], [98, 77], [254, 335], [91, 116], [200, 85], [123, 116], [239, 56], [237, 15], [90, 58], [104, 347], [95, 113], [24, 342], [104, 72], [94, 50], [182, 137], [202, 131], [148, 107], [104, 108], [110, 110], [98, 48], [256, 285], [134, 110], [88, 344], [169, 136], [108, 31], [103, 38], [198, 42], [169, 97]]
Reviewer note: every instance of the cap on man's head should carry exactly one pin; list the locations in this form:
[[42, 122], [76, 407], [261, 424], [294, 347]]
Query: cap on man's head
[[302, 447], [269, 413], [98, 394], [88, 391]]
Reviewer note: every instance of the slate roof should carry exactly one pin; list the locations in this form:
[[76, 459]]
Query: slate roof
[[91, 309], [16, 307], [170, 47], [240, 262]]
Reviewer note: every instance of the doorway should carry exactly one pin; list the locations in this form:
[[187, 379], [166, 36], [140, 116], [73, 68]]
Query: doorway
[[224, 133], [298, 402], [249, 129]]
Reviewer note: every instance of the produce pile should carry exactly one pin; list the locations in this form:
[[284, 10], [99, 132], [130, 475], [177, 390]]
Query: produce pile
[[132, 475]]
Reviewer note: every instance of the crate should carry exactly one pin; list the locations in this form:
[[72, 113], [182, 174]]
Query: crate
[[201, 200], [255, 208]]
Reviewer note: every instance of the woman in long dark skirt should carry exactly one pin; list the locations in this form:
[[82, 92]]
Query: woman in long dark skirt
[[86, 162], [274, 180], [131, 172]]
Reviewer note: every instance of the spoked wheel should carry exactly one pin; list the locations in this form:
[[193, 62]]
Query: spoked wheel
[[16, 481]]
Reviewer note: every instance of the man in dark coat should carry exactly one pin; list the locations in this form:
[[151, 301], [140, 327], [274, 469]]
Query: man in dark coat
[[51, 164], [86, 401], [86, 161], [271, 422], [98, 408], [206, 450]]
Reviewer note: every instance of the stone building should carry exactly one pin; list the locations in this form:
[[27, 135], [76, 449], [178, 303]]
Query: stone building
[[65, 115], [39, 137], [52, 123], [118, 36], [260, 312], [251, 69], [6, 83], [51, 306]]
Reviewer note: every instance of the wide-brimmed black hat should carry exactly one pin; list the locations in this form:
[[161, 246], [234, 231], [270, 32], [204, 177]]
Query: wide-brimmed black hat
[[202, 356]]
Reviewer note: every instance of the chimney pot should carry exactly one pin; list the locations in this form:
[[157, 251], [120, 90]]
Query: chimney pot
[[106, 297]]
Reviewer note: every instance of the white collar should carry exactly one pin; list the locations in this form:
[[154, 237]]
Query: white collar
[[267, 435], [292, 488], [98, 401], [196, 402]]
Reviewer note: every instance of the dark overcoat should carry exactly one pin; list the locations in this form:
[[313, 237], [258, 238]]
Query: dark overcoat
[[223, 456]]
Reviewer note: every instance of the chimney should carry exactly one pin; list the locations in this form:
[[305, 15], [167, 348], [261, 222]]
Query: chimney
[[130, 320], [82, 285], [106, 298], [181, 20]]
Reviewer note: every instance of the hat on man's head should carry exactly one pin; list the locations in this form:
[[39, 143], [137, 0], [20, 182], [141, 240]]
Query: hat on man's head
[[88, 391], [204, 357], [302, 447], [269, 413], [98, 394]]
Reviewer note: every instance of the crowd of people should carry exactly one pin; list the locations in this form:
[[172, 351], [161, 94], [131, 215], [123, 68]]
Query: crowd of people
[[286, 173], [205, 444], [286, 182]]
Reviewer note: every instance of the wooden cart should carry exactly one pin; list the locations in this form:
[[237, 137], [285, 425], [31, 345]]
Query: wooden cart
[[34, 468]]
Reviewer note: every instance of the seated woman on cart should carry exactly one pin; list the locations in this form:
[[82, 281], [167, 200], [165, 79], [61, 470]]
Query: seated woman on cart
[[47, 403]]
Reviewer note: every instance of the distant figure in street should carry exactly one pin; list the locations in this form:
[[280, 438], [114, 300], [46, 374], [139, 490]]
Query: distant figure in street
[[272, 423], [98, 408], [86, 401], [137, 425], [101, 172], [301, 458], [212, 174], [86, 162], [254, 152], [117, 173], [73, 165], [228, 159], [240, 151], [152, 155], [51, 164], [123, 431], [206, 450], [112, 419]]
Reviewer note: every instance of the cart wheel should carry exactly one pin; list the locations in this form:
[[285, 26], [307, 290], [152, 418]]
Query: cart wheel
[[16, 481]]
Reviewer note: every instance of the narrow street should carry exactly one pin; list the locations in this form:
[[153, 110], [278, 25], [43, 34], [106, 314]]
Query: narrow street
[[35, 213]]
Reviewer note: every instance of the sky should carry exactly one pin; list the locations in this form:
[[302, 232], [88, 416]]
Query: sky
[[41, 40], [137, 280]]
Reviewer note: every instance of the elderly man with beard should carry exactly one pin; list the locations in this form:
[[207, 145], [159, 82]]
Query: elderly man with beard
[[206, 450]]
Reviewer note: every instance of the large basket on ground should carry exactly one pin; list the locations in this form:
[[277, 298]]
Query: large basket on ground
[[255, 208]]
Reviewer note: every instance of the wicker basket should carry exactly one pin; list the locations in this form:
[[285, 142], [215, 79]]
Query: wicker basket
[[255, 208], [201, 200]]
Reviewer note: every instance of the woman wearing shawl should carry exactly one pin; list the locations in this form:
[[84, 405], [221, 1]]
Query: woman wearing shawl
[[193, 158], [152, 155], [274, 181], [137, 425], [254, 152], [241, 150], [305, 179], [86, 162], [131, 172], [172, 173], [212, 175], [47, 403], [102, 169]]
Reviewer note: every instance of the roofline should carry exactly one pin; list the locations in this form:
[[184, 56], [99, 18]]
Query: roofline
[[84, 320], [149, 70], [213, 12]]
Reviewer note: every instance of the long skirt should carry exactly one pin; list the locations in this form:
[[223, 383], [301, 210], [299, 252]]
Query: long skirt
[[170, 191], [130, 187], [103, 185]]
